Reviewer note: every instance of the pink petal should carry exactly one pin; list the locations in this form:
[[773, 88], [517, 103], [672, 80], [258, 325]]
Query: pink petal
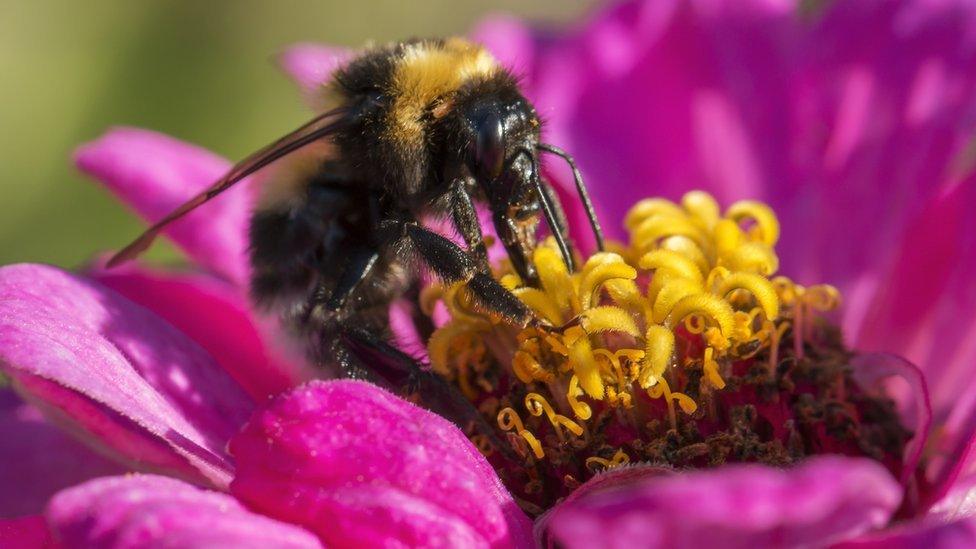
[[154, 174], [879, 371], [361, 467], [25, 533], [149, 511], [219, 317], [958, 503], [822, 500], [39, 459], [855, 124], [509, 40], [311, 66], [959, 534], [118, 372], [608, 481]]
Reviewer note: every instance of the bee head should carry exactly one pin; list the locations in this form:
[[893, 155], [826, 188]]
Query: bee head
[[500, 138]]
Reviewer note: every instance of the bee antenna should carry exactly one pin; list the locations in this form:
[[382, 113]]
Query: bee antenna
[[556, 226], [580, 190], [319, 127]]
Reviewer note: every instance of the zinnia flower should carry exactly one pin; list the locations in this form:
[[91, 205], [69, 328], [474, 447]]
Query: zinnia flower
[[855, 126]]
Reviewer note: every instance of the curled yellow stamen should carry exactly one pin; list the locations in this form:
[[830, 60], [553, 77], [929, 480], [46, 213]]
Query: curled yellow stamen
[[586, 368], [581, 410], [508, 420], [537, 405], [687, 404], [673, 261], [528, 369], [540, 303], [596, 277], [760, 288], [822, 297], [687, 247], [667, 313], [441, 342], [660, 347], [708, 305], [752, 257], [673, 291], [767, 225], [653, 229], [609, 319], [710, 369], [554, 277], [650, 207], [429, 297], [595, 463], [702, 206]]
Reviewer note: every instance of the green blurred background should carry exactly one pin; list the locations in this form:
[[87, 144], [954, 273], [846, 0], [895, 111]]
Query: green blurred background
[[197, 70]]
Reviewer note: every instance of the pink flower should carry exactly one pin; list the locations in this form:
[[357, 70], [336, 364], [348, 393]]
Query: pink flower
[[853, 124]]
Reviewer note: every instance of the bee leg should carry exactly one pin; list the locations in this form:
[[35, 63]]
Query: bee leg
[[553, 212], [357, 269], [452, 264], [557, 208], [399, 371], [512, 235], [466, 220]]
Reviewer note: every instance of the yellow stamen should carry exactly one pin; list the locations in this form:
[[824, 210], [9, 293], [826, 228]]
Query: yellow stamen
[[581, 410], [528, 369], [554, 277], [586, 368], [767, 226], [660, 347], [595, 464], [593, 278], [760, 287], [714, 308], [537, 404], [691, 291], [541, 304], [711, 369], [702, 206], [653, 229], [674, 261], [609, 319], [508, 420], [650, 207]]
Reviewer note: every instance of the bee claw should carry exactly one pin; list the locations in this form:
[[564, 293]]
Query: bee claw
[[546, 326]]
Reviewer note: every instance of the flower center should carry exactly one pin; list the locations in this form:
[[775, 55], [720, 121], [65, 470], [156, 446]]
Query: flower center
[[679, 348]]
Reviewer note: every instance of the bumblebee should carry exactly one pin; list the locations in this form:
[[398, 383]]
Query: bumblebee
[[414, 130]]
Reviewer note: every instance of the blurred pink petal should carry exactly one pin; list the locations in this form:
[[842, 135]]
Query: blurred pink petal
[[154, 174], [311, 65], [406, 335], [925, 534], [854, 125], [359, 466], [219, 317], [823, 500], [25, 533], [39, 459], [612, 480], [117, 371], [150, 511], [876, 371]]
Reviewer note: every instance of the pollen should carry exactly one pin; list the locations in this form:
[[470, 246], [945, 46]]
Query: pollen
[[636, 347]]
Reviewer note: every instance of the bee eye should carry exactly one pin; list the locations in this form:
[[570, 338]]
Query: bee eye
[[487, 149]]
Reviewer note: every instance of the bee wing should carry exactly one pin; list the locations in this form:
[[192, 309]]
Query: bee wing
[[321, 126]]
